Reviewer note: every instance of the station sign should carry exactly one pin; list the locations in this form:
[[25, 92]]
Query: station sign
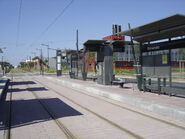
[[175, 44]]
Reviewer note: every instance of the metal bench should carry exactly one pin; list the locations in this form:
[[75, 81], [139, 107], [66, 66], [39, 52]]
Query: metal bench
[[122, 81]]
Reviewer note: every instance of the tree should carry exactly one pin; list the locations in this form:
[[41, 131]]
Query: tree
[[6, 66]]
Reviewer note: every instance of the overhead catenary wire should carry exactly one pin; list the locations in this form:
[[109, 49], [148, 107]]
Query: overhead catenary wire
[[52, 23], [18, 24]]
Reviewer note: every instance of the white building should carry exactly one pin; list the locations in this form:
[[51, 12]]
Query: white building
[[124, 56]]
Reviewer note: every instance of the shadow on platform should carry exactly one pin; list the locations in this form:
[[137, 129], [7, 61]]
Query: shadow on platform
[[1, 86], [3, 81], [26, 112], [4, 111], [27, 89], [22, 83]]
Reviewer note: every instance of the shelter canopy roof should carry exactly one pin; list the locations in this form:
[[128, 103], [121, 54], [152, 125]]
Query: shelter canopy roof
[[94, 45], [172, 26]]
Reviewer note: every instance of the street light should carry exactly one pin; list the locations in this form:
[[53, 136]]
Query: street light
[[34, 53], [41, 61], [46, 45], [1, 51]]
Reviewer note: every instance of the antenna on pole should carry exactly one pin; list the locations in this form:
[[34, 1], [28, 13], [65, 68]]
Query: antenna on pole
[[77, 50], [131, 39], [132, 46], [77, 41]]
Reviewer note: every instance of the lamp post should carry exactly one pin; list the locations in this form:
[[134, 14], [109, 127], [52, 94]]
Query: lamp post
[[34, 53], [46, 45], [1, 51], [41, 62]]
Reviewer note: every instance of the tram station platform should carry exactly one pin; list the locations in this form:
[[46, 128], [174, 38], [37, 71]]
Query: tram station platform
[[3, 107], [3, 85], [42, 107], [170, 106]]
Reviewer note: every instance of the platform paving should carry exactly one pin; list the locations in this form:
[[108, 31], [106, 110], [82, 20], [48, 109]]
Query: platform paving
[[3, 83], [173, 107], [83, 124], [143, 126], [28, 118], [86, 115], [4, 106]]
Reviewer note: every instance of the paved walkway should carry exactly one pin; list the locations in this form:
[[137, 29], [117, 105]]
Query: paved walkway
[[28, 118], [82, 114], [135, 122], [173, 107]]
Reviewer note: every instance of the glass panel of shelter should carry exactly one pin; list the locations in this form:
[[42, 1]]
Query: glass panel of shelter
[[155, 65], [178, 67]]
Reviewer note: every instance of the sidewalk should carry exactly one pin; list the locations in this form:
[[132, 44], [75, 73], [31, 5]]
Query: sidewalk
[[3, 85], [4, 106], [172, 107], [29, 119]]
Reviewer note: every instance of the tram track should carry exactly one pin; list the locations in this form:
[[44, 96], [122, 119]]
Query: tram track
[[94, 113], [7, 131], [62, 127], [122, 107]]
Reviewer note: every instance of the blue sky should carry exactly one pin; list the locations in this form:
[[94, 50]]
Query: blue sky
[[93, 19]]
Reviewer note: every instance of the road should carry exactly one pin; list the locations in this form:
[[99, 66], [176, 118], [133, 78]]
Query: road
[[46, 109]]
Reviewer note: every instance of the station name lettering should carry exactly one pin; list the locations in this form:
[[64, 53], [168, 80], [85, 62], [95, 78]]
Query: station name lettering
[[153, 48]]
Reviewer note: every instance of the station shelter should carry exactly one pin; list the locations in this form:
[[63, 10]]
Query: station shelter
[[161, 55]]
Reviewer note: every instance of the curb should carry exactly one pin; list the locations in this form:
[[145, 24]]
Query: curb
[[176, 113], [5, 85]]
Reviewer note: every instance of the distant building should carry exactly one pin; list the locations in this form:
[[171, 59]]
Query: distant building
[[124, 56], [52, 62], [37, 62], [28, 60]]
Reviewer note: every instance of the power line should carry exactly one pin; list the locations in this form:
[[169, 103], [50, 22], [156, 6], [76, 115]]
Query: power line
[[18, 24], [53, 22]]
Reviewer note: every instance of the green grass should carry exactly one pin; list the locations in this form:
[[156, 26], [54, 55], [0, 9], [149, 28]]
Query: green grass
[[17, 70], [51, 70], [177, 70], [23, 70], [124, 71]]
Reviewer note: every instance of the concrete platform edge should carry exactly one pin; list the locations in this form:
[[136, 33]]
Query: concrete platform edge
[[176, 113], [5, 86]]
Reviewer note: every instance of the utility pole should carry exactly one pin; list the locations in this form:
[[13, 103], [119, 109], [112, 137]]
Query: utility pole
[[77, 51], [34, 61], [34, 54], [3, 66], [46, 45], [48, 57], [41, 62], [1, 51], [30, 62], [137, 67]]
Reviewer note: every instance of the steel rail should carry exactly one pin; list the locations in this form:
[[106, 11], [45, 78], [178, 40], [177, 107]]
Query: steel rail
[[7, 131], [64, 129], [125, 108], [96, 114]]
